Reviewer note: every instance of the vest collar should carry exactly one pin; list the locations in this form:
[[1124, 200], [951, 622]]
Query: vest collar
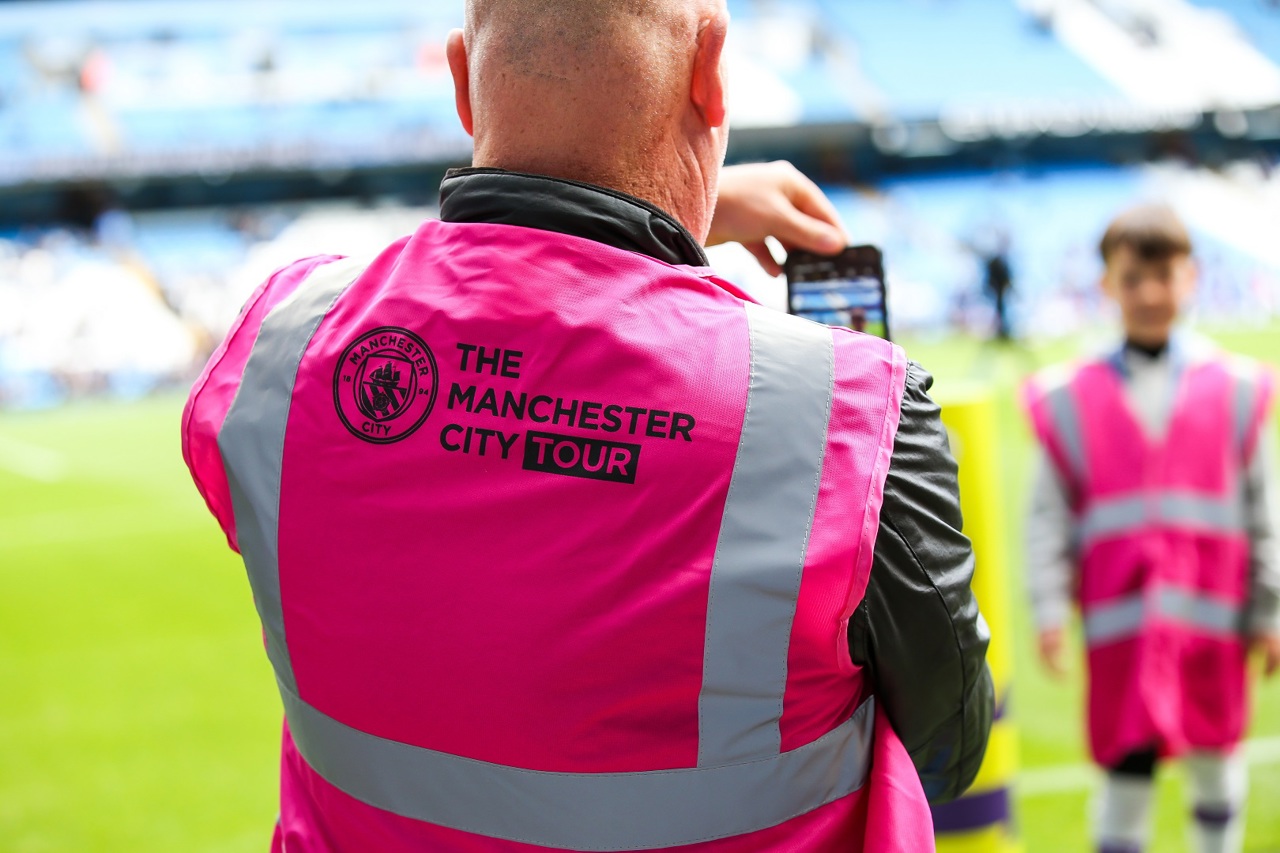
[[1176, 353], [499, 197]]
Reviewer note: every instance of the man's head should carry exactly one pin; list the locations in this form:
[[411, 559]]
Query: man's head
[[627, 94], [1149, 271]]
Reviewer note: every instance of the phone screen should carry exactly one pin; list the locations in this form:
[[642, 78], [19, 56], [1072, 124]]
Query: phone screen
[[842, 290]]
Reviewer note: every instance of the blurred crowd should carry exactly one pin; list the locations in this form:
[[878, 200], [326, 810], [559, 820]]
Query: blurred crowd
[[137, 302], [129, 95]]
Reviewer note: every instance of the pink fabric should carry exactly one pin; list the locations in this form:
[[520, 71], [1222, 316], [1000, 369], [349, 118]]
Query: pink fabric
[[565, 617], [898, 818], [1170, 686], [547, 613], [216, 388]]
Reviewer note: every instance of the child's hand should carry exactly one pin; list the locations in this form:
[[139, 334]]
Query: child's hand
[[1053, 642], [1268, 646]]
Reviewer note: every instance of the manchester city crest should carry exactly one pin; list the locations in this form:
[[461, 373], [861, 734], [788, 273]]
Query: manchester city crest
[[385, 385]]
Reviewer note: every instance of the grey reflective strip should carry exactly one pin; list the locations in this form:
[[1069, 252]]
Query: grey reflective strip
[[1067, 420], [1114, 517], [1123, 618], [1217, 515], [1115, 620], [252, 439], [1245, 400], [583, 811], [1197, 611], [764, 536]]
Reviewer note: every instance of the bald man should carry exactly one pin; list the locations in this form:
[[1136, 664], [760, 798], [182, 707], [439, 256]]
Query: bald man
[[559, 541]]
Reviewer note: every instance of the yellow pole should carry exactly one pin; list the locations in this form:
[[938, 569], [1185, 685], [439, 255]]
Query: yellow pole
[[982, 820]]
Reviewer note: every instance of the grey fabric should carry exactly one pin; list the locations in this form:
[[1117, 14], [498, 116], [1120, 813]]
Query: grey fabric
[[1262, 521], [1111, 518], [1115, 620], [1244, 402], [1215, 515], [1200, 612], [1106, 519], [918, 630], [1063, 410], [764, 535], [583, 811], [1050, 543], [1123, 618], [252, 440]]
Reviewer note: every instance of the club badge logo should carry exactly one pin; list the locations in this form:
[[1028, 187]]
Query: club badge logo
[[385, 385]]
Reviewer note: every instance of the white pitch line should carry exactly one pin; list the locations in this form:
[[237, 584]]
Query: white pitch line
[[1060, 779], [1264, 750], [1064, 778], [32, 461]]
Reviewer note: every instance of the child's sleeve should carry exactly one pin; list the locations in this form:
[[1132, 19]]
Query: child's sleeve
[[1049, 550], [1262, 508]]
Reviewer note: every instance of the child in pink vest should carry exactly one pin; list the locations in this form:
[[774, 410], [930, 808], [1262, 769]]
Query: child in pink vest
[[1154, 510]]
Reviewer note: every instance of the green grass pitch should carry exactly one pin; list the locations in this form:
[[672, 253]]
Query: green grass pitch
[[138, 712]]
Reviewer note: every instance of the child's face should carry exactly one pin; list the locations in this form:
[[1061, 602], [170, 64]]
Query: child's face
[[1151, 294]]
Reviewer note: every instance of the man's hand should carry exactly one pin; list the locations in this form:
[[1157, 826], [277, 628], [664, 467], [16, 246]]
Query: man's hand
[[1053, 645], [760, 200], [1268, 648]]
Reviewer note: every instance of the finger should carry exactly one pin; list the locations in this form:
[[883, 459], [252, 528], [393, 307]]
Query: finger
[[765, 257], [798, 230], [811, 200]]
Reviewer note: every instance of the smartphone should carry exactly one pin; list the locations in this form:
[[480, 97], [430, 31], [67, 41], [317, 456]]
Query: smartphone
[[840, 290]]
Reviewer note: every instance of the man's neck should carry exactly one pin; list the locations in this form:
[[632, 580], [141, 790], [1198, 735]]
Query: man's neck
[[678, 190]]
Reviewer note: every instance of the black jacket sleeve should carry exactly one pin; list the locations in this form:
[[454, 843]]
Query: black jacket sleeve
[[918, 630]]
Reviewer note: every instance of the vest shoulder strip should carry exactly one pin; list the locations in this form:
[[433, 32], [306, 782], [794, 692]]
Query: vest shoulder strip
[[252, 438], [764, 534]]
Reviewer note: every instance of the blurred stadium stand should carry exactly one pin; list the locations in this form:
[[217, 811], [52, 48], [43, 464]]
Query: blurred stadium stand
[[160, 153]]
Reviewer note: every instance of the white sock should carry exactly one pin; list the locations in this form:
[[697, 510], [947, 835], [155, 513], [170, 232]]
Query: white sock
[[1124, 813], [1219, 787]]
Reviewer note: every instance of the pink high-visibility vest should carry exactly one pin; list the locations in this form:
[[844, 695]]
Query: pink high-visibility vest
[[555, 547], [1163, 553]]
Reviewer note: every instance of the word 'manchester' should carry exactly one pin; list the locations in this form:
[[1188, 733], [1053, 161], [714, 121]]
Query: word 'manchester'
[[581, 414]]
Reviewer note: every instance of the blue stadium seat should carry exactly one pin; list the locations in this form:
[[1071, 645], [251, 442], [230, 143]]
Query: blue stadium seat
[[924, 54]]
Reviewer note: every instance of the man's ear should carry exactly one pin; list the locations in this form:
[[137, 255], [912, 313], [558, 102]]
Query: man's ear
[[456, 50], [708, 86]]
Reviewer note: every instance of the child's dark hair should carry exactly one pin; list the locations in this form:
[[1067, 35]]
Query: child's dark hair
[[1153, 231]]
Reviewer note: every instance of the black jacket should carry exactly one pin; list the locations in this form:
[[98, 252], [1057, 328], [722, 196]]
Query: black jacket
[[918, 630]]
